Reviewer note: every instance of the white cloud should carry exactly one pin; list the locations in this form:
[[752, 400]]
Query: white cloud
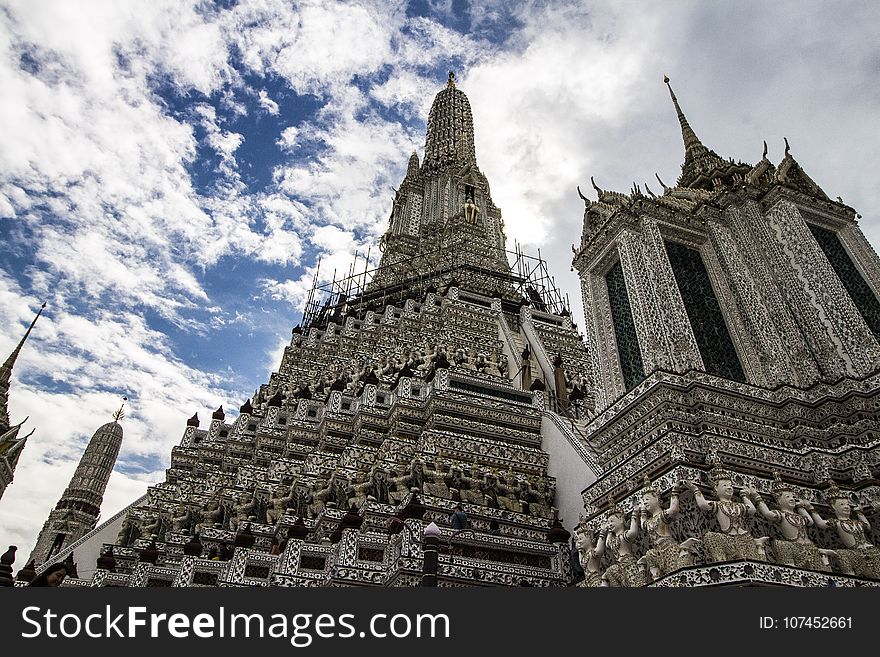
[[92, 143], [274, 355], [315, 45], [349, 183], [267, 103], [427, 43], [407, 92], [293, 292], [288, 139]]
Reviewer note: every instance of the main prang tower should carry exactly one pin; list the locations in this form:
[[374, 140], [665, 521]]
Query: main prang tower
[[445, 376]]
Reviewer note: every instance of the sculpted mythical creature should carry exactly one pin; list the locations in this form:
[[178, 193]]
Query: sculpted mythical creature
[[155, 526], [734, 541], [302, 499], [415, 478], [792, 519], [184, 519], [398, 485], [665, 555], [471, 210], [539, 496], [323, 491], [461, 358], [246, 505], [435, 480], [617, 539], [358, 490], [214, 514], [508, 492], [859, 556], [379, 484], [589, 560], [129, 533], [470, 489], [282, 498]]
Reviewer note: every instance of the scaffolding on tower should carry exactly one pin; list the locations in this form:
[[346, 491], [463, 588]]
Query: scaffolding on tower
[[527, 279]]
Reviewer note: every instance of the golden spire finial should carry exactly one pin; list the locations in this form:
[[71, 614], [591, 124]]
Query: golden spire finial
[[451, 81], [119, 414]]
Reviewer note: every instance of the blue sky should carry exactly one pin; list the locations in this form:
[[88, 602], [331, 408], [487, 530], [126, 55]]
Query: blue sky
[[170, 172]]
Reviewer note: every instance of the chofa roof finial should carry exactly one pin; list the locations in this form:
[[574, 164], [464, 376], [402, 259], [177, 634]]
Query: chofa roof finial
[[662, 184]]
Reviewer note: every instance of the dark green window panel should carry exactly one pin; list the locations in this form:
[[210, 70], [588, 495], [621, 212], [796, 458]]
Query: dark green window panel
[[707, 322], [624, 329], [859, 291]]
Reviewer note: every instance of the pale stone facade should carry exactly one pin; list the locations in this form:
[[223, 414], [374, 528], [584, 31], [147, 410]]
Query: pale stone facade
[[738, 343]]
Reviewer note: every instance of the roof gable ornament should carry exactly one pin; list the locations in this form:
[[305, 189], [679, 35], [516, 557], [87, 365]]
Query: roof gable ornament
[[791, 174]]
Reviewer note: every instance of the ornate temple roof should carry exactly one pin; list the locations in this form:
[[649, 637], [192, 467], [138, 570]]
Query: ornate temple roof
[[78, 508], [6, 375], [113, 428], [10, 443], [412, 168], [705, 179]]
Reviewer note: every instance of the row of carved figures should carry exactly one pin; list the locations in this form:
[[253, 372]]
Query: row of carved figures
[[418, 363], [733, 541], [384, 484]]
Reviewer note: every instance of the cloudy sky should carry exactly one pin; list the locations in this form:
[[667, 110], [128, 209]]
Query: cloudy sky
[[171, 171]]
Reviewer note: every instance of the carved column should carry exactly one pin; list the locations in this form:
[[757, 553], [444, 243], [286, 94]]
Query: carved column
[[750, 236], [762, 350], [665, 336], [835, 330], [863, 254], [599, 337]]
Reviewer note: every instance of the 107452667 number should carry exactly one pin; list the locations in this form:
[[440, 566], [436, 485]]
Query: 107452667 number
[[817, 622]]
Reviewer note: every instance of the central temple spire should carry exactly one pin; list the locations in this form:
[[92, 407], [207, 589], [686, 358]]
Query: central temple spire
[[444, 226], [450, 137], [692, 143], [697, 158]]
